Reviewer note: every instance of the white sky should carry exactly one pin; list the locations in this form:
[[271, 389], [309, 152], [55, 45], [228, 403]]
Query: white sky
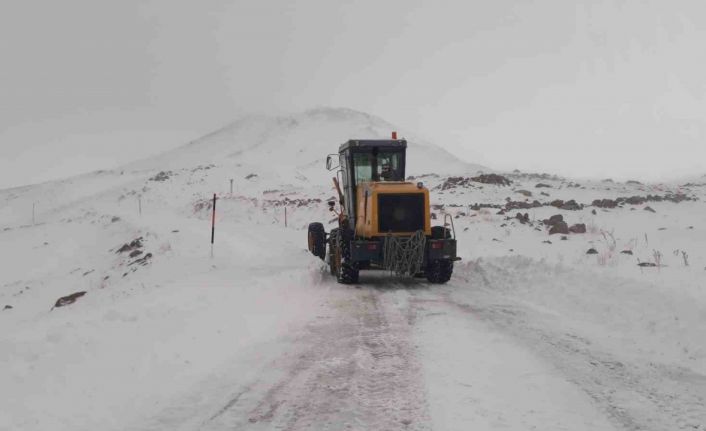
[[582, 88]]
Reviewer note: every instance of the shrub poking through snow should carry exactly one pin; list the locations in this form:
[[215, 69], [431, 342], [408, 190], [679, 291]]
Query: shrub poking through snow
[[291, 202], [203, 205], [162, 176], [658, 257], [610, 241]]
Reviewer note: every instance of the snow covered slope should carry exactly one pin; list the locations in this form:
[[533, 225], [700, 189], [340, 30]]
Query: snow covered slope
[[296, 146], [531, 332]]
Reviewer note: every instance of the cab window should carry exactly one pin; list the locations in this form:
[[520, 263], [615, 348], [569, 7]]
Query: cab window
[[388, 166], [363, 167]]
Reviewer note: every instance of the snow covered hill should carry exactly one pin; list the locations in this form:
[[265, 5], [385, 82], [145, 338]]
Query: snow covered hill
[[296, 146], [531, 332]]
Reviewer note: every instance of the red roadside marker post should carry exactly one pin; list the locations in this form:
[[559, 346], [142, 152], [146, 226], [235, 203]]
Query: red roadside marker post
[[213, 223]]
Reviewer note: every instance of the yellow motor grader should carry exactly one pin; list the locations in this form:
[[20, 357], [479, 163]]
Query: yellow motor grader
[[384, 222]]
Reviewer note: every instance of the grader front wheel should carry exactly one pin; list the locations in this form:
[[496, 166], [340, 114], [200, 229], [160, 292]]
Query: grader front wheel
[[317, 240]]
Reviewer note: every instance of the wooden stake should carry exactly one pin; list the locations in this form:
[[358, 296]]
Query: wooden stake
[[213, 219], [213, 223]]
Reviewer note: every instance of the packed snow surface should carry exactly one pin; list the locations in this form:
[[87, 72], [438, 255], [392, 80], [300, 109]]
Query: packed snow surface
[[530, 333]]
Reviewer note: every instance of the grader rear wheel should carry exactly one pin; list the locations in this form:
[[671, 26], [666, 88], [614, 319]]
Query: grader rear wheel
[[340, 263], [439, 271], [334, 252]]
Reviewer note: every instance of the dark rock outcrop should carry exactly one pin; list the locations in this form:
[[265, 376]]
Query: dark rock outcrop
[[559, 227], [68, 299], [492, 179], [551, 221], [132, 245], [605, 203], [578, 228]]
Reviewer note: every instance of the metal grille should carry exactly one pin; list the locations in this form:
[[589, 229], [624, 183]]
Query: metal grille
[[404, 256], [401, 212]]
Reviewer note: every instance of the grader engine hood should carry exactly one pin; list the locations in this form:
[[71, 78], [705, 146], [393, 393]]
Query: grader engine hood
[[397, 208]]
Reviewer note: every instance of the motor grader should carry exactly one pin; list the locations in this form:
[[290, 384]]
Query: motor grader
[[383, 221]]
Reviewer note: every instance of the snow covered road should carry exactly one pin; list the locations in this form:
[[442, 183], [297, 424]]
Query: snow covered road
[[407, 355]]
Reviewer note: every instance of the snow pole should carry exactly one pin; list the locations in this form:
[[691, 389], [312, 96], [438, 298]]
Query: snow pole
[[213, 223], [285, 216]]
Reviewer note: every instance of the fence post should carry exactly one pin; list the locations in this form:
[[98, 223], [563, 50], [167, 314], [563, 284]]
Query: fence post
[[213, 223], [285, 216], [231, 186]]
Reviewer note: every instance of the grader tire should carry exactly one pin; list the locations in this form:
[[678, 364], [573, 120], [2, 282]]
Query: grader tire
[[342, 267], [317, 240], [334, 256], [439, 271]]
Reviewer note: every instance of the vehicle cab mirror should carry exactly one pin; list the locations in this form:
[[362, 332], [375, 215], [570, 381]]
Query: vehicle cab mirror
[[330, 161]]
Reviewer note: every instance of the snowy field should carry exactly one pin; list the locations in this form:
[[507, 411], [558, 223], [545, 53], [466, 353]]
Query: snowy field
[[532, 332]]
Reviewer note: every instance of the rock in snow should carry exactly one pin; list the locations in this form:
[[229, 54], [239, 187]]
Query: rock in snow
[[68, 299]]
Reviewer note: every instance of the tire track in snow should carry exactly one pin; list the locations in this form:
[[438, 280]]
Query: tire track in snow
[[632, 396], [356, 370]]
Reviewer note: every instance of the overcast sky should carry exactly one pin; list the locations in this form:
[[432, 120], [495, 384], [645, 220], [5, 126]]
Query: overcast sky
[[583, 88]]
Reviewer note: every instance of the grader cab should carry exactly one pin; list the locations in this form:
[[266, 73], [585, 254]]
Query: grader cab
[[384, 222]]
